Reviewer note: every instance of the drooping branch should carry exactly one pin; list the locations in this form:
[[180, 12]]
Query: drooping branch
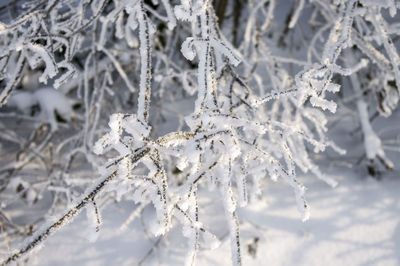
[[48, 230]]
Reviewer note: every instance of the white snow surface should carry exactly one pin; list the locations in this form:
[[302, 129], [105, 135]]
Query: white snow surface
[[356, 223], [49, 100]]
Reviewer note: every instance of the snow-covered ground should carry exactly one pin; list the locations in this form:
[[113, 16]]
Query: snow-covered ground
[[356, 223]]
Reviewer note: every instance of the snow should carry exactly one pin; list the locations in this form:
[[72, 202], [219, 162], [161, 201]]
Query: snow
[[170, 14], [50, 67], [49, 100], [296, 14], [372, 143], [357, 223], [23, 101]]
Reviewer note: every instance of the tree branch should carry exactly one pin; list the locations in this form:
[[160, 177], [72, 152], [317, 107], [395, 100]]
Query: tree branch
[[48, 230]]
